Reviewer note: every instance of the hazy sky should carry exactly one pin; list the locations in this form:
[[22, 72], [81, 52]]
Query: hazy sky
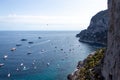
[[35, 14]]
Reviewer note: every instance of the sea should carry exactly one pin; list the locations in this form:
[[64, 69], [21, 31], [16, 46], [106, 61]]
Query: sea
[[42, 55]]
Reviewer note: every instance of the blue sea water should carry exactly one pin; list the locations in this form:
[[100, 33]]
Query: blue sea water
[[52, 57]]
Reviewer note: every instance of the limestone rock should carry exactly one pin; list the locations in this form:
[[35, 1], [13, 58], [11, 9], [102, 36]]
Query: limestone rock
[[97, 30], [111, 67]]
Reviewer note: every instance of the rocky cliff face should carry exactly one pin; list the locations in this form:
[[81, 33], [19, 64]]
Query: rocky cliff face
[[111, 67], [97, 30], [107, 66]]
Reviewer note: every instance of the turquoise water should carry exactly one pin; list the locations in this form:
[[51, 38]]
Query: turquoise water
[[52, 57]]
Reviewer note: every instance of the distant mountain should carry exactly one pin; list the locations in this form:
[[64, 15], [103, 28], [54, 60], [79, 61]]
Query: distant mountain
[[97, 30]]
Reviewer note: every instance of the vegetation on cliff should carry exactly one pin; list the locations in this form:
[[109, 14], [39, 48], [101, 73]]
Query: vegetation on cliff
[[90, 68]]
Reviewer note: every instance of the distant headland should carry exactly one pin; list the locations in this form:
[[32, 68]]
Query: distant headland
[[97, 30]]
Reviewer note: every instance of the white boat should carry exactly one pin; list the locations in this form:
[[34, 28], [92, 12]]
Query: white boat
[[21, 64], [48, 64], [13, 49], [42, 50], [24, 68], [17, 69], [8, 74], [5, 57], [1, 64]]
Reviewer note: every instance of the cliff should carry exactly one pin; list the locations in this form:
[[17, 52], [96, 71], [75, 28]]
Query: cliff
[[97, 30], [104, 65], [111, 66]]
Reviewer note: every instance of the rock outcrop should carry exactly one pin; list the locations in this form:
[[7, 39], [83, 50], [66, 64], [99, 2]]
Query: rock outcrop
[[108, 65], [90, 68], [111, 67], [97, 30]]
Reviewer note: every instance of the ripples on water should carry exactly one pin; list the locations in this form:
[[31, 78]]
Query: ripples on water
[[52, 57]]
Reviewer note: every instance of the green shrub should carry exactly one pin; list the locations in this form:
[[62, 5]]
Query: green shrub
[[87, 71]]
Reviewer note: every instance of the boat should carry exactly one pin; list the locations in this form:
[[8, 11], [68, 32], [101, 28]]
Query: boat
[[61, 49], [17, 69], [13, 49], [42, 50], [5, 57], [24, 68], [23, 39], [1, 64], [55, 46], [29, 53], [48, 64], [21, 64], [18, 44], [8, 74], [33, 63], [31, 42], [39, 37]]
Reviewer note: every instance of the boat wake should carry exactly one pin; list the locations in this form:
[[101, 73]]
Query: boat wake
[[43, 42]]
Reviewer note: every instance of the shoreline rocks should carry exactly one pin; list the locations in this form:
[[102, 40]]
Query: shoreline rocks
[[89, 68]]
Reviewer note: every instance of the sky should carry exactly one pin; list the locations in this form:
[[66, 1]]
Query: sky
[[48, 14]]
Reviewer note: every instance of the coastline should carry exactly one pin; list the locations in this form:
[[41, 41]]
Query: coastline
[[93, 42], [75, 73], [90, 67]]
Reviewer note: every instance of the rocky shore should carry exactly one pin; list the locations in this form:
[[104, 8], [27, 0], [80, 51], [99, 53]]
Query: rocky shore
[[90, 68]]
